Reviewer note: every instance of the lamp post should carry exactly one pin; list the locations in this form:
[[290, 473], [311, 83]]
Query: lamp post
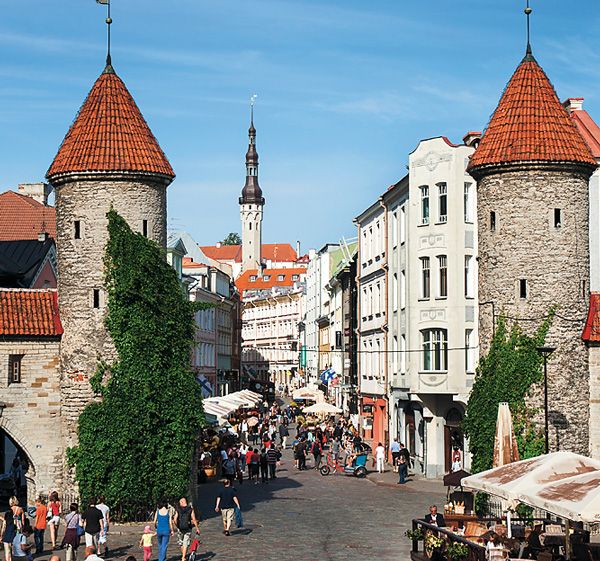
[[546, 352]]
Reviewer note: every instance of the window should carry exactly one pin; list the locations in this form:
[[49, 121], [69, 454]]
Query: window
[[145, 228], [443, 266], [443, 202], [14, 369], [395, 355], [402, 224], [77, 229], [435, 350], [252, 278], [395, 292], [280, 277], [395, 228], [267, 277], [493, 221], [96, 298], [425, 277], [468, 203], [295, 277], [469, 349], [402, 354], [557, 218], [338, 339], [402, 290], [424, 204], [523, 288], [468, 277]]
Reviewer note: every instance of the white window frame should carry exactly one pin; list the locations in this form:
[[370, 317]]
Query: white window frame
[[425, 207], [443, 276], [468, 202], [425, 278], [434, 345], [442, 202]]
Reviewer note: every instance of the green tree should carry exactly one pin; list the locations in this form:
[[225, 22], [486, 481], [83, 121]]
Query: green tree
[[507, 373], [233, 238], [136, 444]]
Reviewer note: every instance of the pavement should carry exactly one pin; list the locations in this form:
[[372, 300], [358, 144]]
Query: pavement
[[303, 516]]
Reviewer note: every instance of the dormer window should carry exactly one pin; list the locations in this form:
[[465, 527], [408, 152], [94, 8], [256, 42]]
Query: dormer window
[[267, 277], [295, 277], [252, 278], [280, 277]]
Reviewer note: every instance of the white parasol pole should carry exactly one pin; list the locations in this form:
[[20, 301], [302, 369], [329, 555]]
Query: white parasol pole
[[508, 523]]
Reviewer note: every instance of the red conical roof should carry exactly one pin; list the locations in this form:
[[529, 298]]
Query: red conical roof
[[110, 135], [530, 125]]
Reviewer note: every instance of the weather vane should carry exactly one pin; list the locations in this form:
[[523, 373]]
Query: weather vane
[[528, 11], [108, 22]]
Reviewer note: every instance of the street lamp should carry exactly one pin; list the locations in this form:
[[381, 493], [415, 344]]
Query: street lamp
[[546, 352]]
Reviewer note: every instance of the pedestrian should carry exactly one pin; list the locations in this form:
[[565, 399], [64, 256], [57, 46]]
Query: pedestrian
[[72, 535], [301, 449], [9, 531], [406, 455], [264, 467], [93, 524], [244, 449], [227, 500], [335, 449], [402, 470], [18, 513], [380, 457], [273, 456], [55, 507], [21, 548], [91, 554], [229, 467], [357, 443], [185, 521], [163, 522], [105, 510], [39, 527], [317, 452], [244, 431], [395, 452], [146, 542]]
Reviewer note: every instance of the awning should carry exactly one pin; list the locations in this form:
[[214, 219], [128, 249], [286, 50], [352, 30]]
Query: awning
[[323, 407], [308, 393], [562, 483]]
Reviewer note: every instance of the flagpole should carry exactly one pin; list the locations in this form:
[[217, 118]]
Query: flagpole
[[108, 22]]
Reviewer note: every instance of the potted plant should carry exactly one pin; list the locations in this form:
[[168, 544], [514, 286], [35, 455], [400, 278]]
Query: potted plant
[[415, 535], [456, 551], [433, 543]]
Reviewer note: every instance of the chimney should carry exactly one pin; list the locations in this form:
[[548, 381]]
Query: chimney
[[573, 104], [37, 191], [218, 244], [298, 248], [42, 236], [472, 139]]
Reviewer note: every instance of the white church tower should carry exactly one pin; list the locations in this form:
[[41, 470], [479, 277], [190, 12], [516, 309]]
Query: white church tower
[[251, 205]]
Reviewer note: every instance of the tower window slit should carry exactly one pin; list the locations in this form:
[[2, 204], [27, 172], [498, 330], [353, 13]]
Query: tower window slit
[[493, 221], [557, 218], [96, 298], [523, 288], [145, 228], [77, 229]]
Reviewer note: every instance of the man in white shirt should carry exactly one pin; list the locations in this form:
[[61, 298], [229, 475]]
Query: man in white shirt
[[103, 508], [90, 554], [21, 548], [380, 457]]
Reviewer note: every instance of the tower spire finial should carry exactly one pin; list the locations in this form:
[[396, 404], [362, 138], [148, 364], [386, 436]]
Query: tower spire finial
[[109, 68], [252, 102], [528, 11]]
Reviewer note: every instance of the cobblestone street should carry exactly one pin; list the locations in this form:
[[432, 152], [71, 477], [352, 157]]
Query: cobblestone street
[[304, 516]]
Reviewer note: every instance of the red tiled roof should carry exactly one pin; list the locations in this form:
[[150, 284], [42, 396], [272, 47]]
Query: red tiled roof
[[23, 218], [29, 313], [530, 125], [277, 252], [189, 263], [110, 134], [269, 279], [591, 331], [589, 130]]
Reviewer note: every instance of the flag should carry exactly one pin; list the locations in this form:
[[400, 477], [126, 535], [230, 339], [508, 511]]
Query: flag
[[205, 385], [328, 375]]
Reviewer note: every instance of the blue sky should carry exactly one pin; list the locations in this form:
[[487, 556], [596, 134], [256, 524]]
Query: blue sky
[[346, 90]]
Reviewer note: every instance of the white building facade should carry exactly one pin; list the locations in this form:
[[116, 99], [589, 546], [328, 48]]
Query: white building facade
[[435, 262]]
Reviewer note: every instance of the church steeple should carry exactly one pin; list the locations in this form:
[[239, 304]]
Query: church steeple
[[251, 204], [252, 193]]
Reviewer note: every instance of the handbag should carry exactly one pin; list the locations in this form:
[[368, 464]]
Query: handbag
[[239, 520], [80, 530]]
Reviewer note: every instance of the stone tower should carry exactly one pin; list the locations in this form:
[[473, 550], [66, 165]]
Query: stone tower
[[109, 158], [532, 168], [251, 207]]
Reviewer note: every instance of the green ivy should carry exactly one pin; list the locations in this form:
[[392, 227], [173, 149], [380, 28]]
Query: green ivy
[[507, 373], [136, 444]]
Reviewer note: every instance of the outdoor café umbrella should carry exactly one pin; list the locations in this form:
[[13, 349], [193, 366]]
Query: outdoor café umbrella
[[322, 407], [252, 421]]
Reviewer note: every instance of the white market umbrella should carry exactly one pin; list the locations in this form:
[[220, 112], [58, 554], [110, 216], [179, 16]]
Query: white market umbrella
[[323, 407]]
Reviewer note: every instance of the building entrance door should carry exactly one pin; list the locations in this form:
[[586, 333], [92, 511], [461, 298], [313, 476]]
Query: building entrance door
[[454, 440]]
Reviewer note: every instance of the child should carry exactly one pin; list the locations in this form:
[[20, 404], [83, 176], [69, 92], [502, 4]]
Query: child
[[146, 542]]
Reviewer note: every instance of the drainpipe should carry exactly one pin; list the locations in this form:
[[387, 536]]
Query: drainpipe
[[358, 316]]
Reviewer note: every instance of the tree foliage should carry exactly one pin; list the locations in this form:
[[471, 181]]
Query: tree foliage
[[136, 444], [233, 238], [507, 373]]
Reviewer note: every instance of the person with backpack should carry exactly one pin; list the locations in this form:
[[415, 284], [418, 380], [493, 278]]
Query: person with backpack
[[317, 452], [185, 520]]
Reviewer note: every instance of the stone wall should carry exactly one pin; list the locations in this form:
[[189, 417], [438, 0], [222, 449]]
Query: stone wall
[[555, 262], [81, 271], [31, 416]]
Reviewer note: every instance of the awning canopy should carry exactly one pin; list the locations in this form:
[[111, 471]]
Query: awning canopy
[[308, 393], [224, 405], [562, 483], [322, 407]]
